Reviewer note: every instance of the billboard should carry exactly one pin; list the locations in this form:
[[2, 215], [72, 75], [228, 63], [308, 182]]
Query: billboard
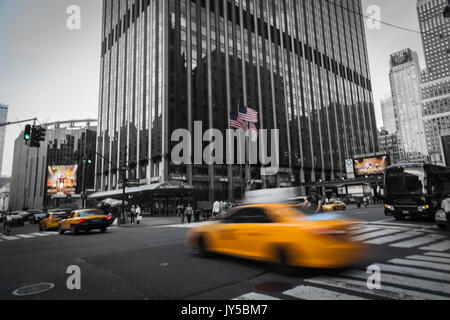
[[62, 180], [371, 166]]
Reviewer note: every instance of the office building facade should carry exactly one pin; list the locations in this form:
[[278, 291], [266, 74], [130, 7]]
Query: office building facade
[[436, 78], [167, 64], [3, 119], [389, 115], [405, 77], [65, 145]]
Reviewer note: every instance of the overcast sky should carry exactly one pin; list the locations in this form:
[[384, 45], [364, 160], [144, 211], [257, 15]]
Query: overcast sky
[[51, 72]]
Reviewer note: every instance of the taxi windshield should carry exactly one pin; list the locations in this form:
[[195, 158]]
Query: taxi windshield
[[90, 213]]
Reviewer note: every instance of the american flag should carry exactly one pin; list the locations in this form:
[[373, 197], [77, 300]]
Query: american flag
[[248, 114], [236, 122]]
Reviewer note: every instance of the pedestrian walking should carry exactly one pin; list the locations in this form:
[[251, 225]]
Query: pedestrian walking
[[189, 212], [216, 209], [132, 214], [314, 202], [138, 215]]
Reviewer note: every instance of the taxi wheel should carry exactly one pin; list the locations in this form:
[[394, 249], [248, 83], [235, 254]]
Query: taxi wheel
[[61, 230], [73, 230], [282, 262], [103, 230], [40, 227], [202, 247]]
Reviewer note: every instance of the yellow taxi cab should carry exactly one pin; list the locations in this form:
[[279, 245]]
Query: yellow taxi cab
[[334, 205], [283, 234], [52, 220], [85, 220]]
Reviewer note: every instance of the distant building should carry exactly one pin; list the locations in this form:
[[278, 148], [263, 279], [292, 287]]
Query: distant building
[[389, 115], [4, 197], [37, 184], [435, 30], [3, 119], [388, 143], [405, 76]]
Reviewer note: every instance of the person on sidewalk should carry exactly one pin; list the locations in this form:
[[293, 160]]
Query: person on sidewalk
[[132, 214], [216, 209], [189, 212], [138, 215]]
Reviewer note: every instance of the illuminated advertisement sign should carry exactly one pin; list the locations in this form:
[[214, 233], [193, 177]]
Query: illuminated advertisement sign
[[62, 180], [371, 166]]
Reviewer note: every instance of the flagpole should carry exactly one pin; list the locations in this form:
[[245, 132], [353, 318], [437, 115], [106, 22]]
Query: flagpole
[[240, 164]]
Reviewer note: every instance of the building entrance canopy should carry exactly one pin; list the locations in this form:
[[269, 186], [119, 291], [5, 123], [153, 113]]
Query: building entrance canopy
[[157, 188]]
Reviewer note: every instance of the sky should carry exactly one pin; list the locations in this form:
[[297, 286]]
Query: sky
[[52, 73]]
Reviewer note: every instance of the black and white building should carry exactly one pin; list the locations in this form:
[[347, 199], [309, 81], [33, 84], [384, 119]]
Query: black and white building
[[165, 64]]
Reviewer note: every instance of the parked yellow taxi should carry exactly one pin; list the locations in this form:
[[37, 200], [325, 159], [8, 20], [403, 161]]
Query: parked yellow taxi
[[334, 205], [52, 220], [85, 220], [283, 234]]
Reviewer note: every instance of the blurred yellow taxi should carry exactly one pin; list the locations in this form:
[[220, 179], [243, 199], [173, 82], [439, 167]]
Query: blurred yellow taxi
[[51, 221], [334, 205], [85, 220], [282, 234]]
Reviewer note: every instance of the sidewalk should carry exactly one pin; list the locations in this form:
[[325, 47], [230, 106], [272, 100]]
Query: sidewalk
[[154, 222]]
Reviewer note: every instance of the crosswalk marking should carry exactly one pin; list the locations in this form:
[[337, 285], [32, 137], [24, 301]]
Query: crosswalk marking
[[9, 238], [313, 293], [40, 234], [24, 236], [442, 246], [429, 265], [418, 241], [405, 281], [393, 238], [364, 230], [438, 254], [386, 292], [430, 259], [255, 296], [415, 272], [374, 234]]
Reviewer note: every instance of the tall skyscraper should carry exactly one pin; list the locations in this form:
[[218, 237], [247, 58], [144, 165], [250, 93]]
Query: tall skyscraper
[[3, 119], [405, 76], [389, 115], [436, 78], [167, 63]]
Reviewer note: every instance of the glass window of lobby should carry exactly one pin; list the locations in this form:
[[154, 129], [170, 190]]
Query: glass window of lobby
[[302, 65]]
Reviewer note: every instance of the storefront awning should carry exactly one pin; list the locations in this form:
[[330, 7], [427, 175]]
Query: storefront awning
[[170, 186]]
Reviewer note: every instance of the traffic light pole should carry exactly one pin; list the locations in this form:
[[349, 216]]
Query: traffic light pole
[[16, 122]]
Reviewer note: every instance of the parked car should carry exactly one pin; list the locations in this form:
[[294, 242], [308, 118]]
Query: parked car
[[441, 220], [37, 217], [17, 220]]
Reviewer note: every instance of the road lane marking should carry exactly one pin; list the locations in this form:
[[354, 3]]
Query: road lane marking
[[52, 233], [386, 292], [40, 234], [393, 238], [415, 272], [24, 236], [313, 293], [375, 234], [424, 264], [442, 246], [418, 241], [438, 254], [430, 259], [405, 281], [255, 296]]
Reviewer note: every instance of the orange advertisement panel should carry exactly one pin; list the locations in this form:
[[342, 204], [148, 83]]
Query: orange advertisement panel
[[62, 180], [371, 166]]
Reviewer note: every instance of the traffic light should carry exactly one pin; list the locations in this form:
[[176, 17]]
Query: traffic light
[[27, 133], [37, 135]]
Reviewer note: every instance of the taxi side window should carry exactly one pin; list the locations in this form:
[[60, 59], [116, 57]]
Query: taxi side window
[[250, 215]]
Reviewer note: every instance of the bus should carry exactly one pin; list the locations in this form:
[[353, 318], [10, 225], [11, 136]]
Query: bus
[[415, 190]]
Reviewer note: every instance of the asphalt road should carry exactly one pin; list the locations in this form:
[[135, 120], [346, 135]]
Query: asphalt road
[[151, 262]]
